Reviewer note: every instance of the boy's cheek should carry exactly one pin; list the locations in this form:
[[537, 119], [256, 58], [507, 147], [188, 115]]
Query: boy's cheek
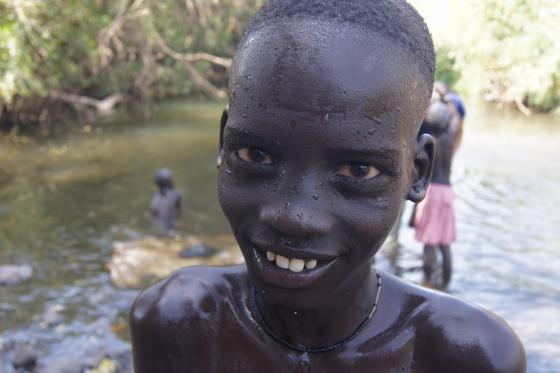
[[236, 198], [374, 219]]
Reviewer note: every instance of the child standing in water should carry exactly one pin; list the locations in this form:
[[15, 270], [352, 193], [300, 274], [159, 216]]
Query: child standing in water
[[319, 152], [435, 217], [166, 203]]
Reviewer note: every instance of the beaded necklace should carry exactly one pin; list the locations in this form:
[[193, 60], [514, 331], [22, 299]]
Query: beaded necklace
[[322, 348]]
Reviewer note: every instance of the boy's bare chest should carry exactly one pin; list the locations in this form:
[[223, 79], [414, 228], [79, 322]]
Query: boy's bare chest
[[247, 348]]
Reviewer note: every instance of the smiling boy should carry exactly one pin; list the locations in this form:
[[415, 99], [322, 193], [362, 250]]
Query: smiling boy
[[319, 151]]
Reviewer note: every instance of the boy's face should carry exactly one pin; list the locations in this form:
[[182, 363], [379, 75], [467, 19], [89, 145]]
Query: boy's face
[[318, 155]]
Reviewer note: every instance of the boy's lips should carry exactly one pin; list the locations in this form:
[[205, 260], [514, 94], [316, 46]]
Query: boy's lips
[[286, 267]]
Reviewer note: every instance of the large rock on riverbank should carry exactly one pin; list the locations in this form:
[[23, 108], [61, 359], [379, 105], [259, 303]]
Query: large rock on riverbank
[[14, 274], [136, 263]]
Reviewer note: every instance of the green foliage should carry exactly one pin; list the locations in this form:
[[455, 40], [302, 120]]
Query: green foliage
[[508, 51], [520, 51], [446, 69], [48, 46], [96, 48]]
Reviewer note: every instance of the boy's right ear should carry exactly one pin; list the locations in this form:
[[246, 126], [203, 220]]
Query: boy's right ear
[[423, 167], [223, 121]]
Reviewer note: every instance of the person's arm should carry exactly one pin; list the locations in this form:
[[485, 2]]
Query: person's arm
[[178, 206], [154, 211], [412, 219], [168, 329], [465, 338], [457, 110], [147, 346], [458, 135]]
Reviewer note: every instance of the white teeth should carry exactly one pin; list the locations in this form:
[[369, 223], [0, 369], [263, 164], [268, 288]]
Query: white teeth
[[311, 264], [282, 262], [296, 265]]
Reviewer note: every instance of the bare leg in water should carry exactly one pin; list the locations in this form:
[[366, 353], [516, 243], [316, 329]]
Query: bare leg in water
[[447, 266], [429, 259]]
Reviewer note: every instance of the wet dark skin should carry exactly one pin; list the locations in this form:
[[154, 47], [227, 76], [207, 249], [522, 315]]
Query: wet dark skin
[[445, 143], [319, 152]]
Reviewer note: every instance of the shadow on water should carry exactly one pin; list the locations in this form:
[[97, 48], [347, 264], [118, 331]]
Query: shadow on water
[[64, 201]]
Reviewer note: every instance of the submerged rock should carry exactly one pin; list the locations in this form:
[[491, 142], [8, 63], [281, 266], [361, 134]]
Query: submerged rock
[[62, 365], [139, 261], [14, 274], [25, 358], [198, 250]]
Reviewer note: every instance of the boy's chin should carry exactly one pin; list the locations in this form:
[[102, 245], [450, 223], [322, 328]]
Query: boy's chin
[[272, 291]]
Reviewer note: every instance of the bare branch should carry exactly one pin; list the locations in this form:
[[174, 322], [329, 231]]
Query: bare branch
[[188, 59], [103, 106], [521, 106]]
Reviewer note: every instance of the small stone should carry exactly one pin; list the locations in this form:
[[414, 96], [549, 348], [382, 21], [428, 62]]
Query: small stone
[[25, 358], [198, 251], [63, 365]]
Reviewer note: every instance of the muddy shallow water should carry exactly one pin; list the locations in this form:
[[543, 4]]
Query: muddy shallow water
[[63, 201]]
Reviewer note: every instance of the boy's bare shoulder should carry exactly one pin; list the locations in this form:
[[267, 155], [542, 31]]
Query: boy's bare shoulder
[[187, 295], [460, 337]]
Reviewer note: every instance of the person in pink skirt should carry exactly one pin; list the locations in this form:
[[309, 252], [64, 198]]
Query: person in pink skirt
[[434, 220]]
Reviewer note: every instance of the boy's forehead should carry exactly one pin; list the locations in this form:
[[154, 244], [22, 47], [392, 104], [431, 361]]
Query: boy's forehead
[[322, 66]]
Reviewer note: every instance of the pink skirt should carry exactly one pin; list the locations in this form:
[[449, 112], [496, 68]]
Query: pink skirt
[[435, 217]]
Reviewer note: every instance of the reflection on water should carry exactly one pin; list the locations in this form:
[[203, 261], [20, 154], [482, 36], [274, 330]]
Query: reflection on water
[[64, 201]]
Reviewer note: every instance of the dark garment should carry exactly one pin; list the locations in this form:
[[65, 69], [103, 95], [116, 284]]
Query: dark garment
[[457, 102]]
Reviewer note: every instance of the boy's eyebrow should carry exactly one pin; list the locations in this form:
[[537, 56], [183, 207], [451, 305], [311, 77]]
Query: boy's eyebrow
[[389, 153], [232, 131]]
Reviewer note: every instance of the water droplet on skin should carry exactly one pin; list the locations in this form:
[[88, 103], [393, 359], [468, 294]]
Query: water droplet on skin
[[227, 171], [245, 106], [373, 118], [371, 132], [315, 197], [379, 199], [245, 115], [286, 205]]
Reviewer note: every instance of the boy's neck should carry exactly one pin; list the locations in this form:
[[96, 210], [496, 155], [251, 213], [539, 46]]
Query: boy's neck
[[328, 323]]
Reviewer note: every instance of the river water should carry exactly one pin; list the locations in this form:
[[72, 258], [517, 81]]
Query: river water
[[64, 200]]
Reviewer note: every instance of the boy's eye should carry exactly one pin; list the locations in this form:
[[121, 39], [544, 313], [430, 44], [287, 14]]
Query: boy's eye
[[254, 155], [358, 170]]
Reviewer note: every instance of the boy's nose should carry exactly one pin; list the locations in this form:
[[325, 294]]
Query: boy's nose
[[298, 210], [294, 219]]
